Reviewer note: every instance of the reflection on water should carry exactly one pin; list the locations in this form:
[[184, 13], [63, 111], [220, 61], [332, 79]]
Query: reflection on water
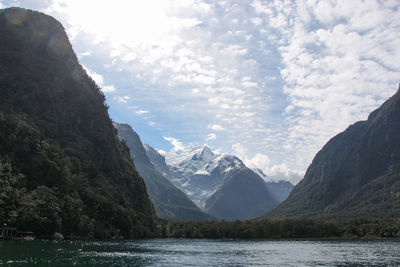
[[185, 252]]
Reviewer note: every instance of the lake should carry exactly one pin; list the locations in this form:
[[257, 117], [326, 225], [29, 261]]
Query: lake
[[187, 252]]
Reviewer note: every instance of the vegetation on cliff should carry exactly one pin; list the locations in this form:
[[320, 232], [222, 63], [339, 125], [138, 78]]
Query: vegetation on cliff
[[62, 167]]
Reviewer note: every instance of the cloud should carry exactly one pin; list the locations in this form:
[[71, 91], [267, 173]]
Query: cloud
[[140, 112], [108, 88], [100, 81], [262, 162], [177, 145], [211, 136], [216, 127], [277, 77], [338, 71], [282, 172], [258, 161], [162, 152], [122, 99], [85, 54]]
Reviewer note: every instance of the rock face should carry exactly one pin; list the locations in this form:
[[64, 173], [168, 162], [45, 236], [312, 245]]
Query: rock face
[[62, 166], [220, 184], [169, 202], [356, 174]]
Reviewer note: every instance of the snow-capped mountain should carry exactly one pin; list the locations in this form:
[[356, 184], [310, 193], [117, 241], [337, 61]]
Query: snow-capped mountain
[[220, 184], [169, 202], [199, 172]]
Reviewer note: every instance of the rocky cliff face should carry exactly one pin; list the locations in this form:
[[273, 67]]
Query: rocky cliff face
[[66, 169], [356, 174]]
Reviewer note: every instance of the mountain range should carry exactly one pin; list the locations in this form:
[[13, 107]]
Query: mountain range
[[169, 202], [64, 169], [355, 175], [220, 184]]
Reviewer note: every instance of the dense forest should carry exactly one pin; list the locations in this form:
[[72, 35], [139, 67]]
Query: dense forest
[[62, 167], [281, 229]]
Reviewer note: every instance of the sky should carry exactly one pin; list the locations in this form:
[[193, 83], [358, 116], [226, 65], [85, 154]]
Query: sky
[[268, 81]]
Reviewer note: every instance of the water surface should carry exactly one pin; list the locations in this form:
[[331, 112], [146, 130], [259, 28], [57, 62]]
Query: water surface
[[189, 252]]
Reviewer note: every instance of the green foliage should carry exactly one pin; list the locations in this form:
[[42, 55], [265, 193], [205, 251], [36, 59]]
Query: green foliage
[[281, 229], [62, 168]]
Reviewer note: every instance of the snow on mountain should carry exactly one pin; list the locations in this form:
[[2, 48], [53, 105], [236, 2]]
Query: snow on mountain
[[219, 183], [196, 170]]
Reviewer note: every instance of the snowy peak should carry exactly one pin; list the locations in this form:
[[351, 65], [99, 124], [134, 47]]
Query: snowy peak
[[157, 159], [201, 160], [206, 153]]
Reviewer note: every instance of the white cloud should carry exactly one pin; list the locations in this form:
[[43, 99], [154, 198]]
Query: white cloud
[[108, 88], [211, 136], [282, 172], [216, 127], [162, 152], [177, 145], [259, 161], [338, 73], [100, 81], [85, 54], [141, 111], [283, 76], [122, 99]]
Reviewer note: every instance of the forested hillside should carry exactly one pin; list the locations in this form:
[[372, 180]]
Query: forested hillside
[[62, 167]]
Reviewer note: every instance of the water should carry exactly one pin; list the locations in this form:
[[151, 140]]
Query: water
[[185, 252]]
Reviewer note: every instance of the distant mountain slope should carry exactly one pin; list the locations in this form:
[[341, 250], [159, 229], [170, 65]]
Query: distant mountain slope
[[280, 190], [62, 167], [356, 174], [169, 202], [243, 195], [220, 184]]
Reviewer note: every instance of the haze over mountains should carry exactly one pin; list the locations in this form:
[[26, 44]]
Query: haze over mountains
[[355, 175]]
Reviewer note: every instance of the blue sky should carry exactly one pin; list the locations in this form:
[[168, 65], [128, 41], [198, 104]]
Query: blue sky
[[268, 81]]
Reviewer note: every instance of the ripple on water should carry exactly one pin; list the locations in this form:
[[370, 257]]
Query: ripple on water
[[185, 252]]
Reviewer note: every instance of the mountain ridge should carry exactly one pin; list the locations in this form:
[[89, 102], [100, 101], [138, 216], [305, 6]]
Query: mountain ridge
[[66, 169], [356, 173], [169, 202], [221, 184]]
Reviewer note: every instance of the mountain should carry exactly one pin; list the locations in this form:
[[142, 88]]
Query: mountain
[[280, 189], [169, 202], [62, 166], [220, 184], [243, 195], [356, 174]]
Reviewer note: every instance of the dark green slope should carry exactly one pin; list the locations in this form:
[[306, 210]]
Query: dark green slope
[[356, 174], [63, 168], [243, 195], [169, 201]]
